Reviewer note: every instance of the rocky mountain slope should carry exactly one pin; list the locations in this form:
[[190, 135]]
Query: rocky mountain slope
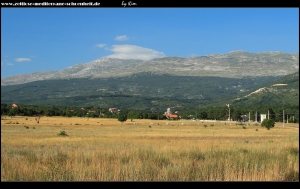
[[235, 64]]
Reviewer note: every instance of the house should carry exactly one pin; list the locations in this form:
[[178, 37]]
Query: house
[[15, 105], [113, 110], [173, 116], [170, 115]]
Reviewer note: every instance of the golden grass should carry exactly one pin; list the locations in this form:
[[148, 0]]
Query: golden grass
[[146, 150]]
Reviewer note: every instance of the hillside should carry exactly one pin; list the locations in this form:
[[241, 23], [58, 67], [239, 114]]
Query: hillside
[[138, 91], [282, 91]]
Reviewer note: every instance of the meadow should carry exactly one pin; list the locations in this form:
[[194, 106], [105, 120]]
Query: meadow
[[98, 149]]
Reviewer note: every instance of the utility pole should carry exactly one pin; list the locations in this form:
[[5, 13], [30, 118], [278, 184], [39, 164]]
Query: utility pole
[[228, 105], [287, 118], [283, 119], [249, 118], [256, 117], [268, 114]]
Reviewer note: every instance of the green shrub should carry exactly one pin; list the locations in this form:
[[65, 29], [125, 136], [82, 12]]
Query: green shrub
[[268, 123]]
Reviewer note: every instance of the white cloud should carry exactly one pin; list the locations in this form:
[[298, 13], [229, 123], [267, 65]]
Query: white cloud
[[22, 59], [101, 45], [9, 64], [134, 52], [121, 38]]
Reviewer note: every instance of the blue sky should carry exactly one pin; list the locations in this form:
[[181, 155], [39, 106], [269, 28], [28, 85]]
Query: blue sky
[[40, 39]]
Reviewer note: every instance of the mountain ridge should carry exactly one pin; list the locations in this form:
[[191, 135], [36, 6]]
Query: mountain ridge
[[235, 64]]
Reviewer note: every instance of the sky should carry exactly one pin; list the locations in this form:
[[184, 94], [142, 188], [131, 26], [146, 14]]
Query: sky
[[41, 39]]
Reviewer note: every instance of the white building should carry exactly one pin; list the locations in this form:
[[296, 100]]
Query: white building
[[262, 117]]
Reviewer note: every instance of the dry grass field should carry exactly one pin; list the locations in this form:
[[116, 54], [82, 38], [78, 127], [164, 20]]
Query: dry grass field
[[96, 149]]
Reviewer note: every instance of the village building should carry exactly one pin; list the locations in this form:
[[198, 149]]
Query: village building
[[113, 110], [15, 105], [170, 115]]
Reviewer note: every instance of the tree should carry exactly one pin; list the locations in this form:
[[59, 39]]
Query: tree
[[133, 114], [4, 109], [122, 117], [13, 112], [203, 115], [268, 123], [236, 114]]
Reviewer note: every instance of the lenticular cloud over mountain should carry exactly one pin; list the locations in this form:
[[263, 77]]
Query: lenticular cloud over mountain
[[134, 52]]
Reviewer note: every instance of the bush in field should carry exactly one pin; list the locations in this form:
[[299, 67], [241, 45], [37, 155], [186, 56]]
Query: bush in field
[[62, 133], [268, 123], [122, 117]]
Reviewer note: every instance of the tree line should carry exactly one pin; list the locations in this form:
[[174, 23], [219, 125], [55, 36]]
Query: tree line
[[277, 113]]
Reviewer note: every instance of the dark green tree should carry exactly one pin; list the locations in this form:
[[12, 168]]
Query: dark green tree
[[236, 114], [122, 117], [4, 109], [133, 114], [68, 113], [268, 123], [203, 115], [13, 111], [272, 114]]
